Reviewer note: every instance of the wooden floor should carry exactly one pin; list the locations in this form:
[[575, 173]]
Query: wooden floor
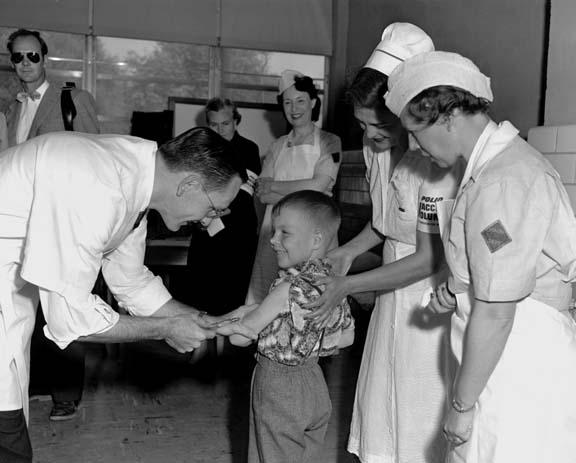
[[146, 404]]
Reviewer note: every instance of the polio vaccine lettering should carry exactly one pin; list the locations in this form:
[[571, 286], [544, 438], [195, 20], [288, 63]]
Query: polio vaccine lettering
[[427, 212]]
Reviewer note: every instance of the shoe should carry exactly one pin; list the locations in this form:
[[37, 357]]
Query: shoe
[[62, 411]]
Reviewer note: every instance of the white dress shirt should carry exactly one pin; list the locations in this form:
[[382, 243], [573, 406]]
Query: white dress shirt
[[27, 113]]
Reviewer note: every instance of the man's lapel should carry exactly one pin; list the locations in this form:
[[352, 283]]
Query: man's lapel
[[12, 117], [51, 98]]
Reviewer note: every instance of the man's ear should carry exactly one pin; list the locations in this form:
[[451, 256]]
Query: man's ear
[[189, 183]]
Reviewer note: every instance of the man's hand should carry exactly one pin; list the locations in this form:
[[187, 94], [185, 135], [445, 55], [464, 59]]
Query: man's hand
[[442, 300], [184, 334]]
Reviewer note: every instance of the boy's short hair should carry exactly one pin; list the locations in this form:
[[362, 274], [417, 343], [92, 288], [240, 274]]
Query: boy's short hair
[[318, 207]]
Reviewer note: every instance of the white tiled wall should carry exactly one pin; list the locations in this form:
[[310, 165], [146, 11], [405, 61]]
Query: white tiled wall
[[558, 143]]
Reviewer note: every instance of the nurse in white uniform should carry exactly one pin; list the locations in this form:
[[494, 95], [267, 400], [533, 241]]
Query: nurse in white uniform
[[511, 247], [72, 204], [406, 365]]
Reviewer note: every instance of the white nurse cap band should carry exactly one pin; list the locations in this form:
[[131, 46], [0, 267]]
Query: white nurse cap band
[[399, 42], [430, 70]]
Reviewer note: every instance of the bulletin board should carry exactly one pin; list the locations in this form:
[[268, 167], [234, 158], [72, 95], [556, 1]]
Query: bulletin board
[[261, 122]]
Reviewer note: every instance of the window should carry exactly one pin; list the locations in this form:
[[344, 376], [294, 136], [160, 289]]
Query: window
[[139, 75]]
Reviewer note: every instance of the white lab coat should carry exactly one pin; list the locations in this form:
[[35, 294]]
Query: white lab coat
[[68, 204]]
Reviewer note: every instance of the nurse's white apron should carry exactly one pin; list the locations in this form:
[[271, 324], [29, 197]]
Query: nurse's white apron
[[293, 163], [527, 411]]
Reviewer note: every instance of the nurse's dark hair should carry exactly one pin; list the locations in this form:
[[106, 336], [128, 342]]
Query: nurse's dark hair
[[368, 89], [318, 207], [26, 33], [204, 152], [439, 102], [305, 84], [218, 104]]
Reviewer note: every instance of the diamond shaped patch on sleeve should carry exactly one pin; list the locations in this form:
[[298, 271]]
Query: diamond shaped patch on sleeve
[[495, 236]]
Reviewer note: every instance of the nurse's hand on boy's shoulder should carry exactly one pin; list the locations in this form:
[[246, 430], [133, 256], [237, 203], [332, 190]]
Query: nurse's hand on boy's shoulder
[[336, 289], [442, 300], [184, 334]]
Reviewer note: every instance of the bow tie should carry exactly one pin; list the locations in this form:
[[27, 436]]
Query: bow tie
[[21, 96]]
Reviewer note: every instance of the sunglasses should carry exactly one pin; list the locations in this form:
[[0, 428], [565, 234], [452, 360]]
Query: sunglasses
[[18, 57]]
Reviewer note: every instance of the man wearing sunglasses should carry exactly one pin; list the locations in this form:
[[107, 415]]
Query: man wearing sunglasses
[[37, 108]]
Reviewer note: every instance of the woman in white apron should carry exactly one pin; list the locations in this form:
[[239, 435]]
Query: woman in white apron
[[308, 158], [511, 248], [406, 365]]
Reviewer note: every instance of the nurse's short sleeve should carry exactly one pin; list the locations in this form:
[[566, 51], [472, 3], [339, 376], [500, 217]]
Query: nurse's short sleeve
[[438, 185], [506, 225], [330, 157]]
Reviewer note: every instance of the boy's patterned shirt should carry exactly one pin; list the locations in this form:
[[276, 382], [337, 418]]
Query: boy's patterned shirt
[[291, 339]]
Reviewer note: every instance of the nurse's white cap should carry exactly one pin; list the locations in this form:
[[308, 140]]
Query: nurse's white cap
[[430, 70], [400, 41], [287, 79]]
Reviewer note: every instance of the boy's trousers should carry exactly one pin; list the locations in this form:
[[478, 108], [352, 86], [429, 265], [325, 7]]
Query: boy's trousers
[[289, 412]]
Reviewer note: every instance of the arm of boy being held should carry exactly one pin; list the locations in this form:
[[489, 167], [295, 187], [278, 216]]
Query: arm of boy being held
[[261, 316]]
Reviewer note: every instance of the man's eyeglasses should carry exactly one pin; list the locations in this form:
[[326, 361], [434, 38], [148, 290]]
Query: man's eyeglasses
[[18, 57], [214, 212]]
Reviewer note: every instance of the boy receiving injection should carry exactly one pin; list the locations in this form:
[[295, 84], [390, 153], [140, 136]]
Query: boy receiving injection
[[290, 405]]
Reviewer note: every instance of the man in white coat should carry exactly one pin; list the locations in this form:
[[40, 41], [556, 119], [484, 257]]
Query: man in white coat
[[73, 204]]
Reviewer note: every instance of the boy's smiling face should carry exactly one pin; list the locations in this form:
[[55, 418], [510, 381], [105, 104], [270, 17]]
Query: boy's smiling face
[[295, 237]]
